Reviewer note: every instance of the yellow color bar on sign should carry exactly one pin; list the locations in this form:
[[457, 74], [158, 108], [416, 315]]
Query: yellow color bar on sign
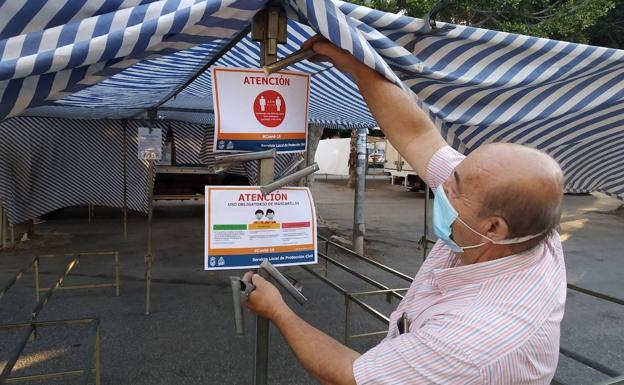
[[263, 226]]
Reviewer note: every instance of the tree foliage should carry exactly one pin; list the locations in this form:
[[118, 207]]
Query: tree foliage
[[582, 21]]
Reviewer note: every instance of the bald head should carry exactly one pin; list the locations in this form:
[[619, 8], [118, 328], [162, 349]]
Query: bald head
[[522, 185]]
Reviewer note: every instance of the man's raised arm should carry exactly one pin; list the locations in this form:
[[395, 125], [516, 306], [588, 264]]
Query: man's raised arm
[[408, 128]]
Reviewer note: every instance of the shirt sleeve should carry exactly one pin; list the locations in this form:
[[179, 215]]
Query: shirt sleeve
[[415, 358], [441, 165]]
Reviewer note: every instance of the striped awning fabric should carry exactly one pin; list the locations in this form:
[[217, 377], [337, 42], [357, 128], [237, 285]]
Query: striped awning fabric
[[478, 85]]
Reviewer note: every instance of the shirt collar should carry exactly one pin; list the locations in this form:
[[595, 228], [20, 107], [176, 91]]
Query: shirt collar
[[454, 277]]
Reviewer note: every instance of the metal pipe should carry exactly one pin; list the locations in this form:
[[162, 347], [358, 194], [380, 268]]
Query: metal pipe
[[235, 40], [92, 350], [45, 324], [371, 334], [85, 286], [596, 294], [361, 276], [357, 301], [148, 285], [376, 292], [8, 367], [292, 167], [368, 260], [15, 278], [152, 114], [261, 356], [347, 329], [245, 157], [589, 362], [47, 376], [55, 285], [285, 283], [370, 310], [292, 178], [3, 226], [612, 381], [124, 124], [37, 279], [326, 280], [98, 356], [359, 228], [295, 57], [117, 291], [238, 309]]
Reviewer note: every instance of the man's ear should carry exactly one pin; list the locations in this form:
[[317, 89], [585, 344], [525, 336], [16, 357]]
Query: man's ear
[[498, 229]]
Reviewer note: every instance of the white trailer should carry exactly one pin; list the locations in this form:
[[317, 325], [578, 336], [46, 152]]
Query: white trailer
[[400, 170]]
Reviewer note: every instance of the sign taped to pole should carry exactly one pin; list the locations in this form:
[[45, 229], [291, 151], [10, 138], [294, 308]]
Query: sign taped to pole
[[243, 227], [150, 143], [255, 112]]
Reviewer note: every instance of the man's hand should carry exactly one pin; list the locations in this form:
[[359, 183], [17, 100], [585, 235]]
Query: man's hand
[[323, 357], [266, 300], [340, 58]]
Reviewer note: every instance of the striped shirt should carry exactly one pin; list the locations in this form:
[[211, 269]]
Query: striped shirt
[[494, 322]]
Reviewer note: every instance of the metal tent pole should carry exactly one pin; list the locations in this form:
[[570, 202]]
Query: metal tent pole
[[149, 258], [124, 124], [359, 228], [269, 28]]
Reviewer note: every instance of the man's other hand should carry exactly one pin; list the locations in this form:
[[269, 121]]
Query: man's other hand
[[266, 301]]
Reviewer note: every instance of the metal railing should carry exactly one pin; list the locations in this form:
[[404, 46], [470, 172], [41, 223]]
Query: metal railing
[[34, 325], [31, 330], [20, 273], [77, 257], [352, 298], [355, 297]]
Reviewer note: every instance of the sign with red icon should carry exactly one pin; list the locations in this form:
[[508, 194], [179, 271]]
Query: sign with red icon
[[270, 108], [255, 112]]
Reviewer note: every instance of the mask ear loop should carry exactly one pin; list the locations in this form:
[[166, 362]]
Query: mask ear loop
[[509, 241]]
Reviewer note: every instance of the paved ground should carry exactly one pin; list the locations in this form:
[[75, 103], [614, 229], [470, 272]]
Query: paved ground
[[189, 337]]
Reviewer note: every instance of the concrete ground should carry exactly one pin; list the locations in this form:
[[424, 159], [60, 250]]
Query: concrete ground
[[189, 338]]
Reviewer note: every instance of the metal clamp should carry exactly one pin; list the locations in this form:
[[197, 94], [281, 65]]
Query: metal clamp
[[294, 58], [223, 162], [241, 290], [284, 282], [294, 177]]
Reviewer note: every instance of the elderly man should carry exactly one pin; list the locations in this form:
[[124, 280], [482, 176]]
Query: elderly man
[[486, 306]]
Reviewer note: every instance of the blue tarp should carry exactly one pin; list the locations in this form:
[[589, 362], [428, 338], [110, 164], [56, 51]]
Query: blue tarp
[[478, 85]]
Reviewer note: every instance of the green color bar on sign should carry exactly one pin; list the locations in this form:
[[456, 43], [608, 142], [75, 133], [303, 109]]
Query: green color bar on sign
[[229, 227]]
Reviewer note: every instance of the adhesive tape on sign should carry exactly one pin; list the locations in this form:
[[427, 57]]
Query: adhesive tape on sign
[[270, 108]]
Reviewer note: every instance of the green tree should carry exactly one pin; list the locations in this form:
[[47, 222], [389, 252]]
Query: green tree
[[609, 30], [582, 21]]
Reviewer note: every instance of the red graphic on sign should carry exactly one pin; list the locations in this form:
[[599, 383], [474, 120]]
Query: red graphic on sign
[[270, 108]]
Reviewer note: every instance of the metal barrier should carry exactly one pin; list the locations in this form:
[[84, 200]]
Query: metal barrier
[[32, 327], [114, 254], [13, 281], [617, 377], [350, 299]]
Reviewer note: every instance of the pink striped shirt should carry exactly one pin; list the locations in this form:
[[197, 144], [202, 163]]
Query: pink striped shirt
[[494, 322]]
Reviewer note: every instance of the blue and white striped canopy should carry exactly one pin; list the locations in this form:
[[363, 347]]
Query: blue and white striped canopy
[[478, 85]]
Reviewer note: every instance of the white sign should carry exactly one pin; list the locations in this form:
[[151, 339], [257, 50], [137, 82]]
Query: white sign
[[150, 143], [254, 112], [243, 227]]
